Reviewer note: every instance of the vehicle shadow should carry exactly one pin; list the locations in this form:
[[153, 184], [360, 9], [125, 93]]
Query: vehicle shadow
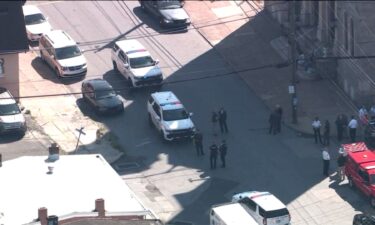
[[11, 137]]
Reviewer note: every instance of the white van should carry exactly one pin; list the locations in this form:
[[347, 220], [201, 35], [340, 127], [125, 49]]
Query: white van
[[11, 117], [230, 214]]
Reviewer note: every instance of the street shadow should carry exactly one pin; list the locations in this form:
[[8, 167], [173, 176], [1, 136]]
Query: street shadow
[[11, 137]]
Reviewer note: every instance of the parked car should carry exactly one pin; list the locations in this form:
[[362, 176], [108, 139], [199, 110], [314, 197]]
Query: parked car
[[169, 116], [100, 95], [136, 64], [264, 207], [11, 117], [62, 54], [360, 169], [36, 23], [170, 13], [363, 219]]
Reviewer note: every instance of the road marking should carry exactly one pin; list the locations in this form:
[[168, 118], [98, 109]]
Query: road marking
[[143, 143]]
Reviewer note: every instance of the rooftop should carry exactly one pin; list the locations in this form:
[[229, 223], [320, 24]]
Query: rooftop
[[76, 182]]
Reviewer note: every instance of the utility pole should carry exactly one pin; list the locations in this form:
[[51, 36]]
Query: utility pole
[[292, 41]]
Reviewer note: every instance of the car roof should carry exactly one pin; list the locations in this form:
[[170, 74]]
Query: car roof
[[167, 100], [5, 97], [30, 10], [132, 48], [233, 213], [99, 84], [60, 38], [265, 200], [360, 154]]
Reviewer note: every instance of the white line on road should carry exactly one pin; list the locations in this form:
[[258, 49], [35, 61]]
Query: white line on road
[[142, 144]]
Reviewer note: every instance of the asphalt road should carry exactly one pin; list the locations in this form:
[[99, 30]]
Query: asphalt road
[[170, 178]]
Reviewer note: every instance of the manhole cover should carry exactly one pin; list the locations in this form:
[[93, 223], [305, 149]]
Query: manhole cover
[[126, 166]]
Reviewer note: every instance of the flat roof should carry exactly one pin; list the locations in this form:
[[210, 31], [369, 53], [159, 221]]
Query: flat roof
[[76, 182], [234, 213]]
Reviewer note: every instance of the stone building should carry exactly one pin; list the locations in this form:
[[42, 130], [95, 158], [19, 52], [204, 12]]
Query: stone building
[[343, 31]]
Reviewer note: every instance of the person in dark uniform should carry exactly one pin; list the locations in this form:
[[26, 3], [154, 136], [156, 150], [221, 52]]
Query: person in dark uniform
[[279, 118], [213, 155], [223, 120], [272, 122], [223, 152], [198, 142], [326, 133], [340, 126], [214, 119]]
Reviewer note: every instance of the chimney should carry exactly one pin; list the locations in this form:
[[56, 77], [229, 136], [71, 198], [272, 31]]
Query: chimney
[[42, 216], [99, 207]]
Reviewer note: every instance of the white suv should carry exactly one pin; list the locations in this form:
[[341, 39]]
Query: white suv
[[169, 116], [264, 207], [135, 63], [11, 117], [62, 54]]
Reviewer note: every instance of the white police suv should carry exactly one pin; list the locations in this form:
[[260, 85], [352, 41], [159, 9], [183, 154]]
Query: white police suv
[[169, 116], [135, 63], [264, 207]]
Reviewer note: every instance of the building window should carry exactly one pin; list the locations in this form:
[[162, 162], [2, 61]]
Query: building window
[[2, 70]]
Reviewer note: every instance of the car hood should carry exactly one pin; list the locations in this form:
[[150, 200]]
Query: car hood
[[75, 61], [13, 118], [147, 71], [109, 102], [39, 28], [178, 124], [174, 14]]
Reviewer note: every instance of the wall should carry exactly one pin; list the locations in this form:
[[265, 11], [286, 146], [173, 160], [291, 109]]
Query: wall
[[10, 78]]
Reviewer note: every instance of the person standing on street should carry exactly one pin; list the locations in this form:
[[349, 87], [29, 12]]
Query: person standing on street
[[363, 115], [214, 119], [340, 126], [213, 155], [316, 127], [272, 122], [353, 125], [326, 133], [341, 160], [198, 142], [223, 153], [223, 120], [279, 118], [326, 160]]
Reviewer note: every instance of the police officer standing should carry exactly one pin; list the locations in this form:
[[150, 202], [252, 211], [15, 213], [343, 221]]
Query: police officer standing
[[223, 153], [214, 119], [223, 120], [326, 159], [198, 142], [213, 155]]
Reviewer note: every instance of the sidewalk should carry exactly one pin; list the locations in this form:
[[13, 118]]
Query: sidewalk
[[253, 40], [59, 116]]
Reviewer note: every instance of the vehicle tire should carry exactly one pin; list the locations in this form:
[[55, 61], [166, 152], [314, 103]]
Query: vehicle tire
[[150, 120], [372, 201], [41, 56], [114, 66], [350, 182]]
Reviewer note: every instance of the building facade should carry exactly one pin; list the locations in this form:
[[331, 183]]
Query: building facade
[[343, 30]]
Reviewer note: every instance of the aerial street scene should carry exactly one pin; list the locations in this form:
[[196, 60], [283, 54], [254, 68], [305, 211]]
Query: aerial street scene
[[187, 112]]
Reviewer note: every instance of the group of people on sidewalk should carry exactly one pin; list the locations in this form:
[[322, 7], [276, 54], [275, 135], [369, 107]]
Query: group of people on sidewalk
[[215, 150]]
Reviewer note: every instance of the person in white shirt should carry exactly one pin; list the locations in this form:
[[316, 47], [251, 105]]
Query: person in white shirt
[[353, 125], [363, 115], [316, 127], [326, 160]]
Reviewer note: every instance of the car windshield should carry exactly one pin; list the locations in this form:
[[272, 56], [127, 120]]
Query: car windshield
[[104, 94], [169, 4], [68, 52], [175, 114], [34, 19], [140, 62], [10, 109]]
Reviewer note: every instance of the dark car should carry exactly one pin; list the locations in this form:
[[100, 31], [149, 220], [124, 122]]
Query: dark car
[[170, 13], [100, 94], [363, 219], [370, 134]]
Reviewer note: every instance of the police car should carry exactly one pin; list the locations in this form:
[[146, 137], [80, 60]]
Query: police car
[[135, 63], [169, 116], [264, 207]]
